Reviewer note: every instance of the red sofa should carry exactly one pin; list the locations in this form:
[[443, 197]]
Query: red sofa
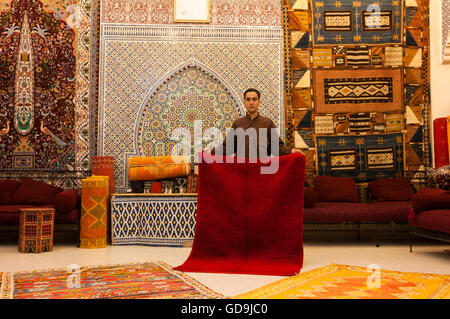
[[334, 200], [29, 193], [430, 214]]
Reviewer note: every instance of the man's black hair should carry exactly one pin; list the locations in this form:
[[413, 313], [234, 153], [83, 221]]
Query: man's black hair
[[252, 90]]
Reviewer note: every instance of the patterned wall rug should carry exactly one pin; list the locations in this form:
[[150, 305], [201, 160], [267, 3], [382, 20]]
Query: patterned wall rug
[[351, 282], [151, 280], [156, 75], [44, 80], [360, 157], [358, 69], [445, 24]]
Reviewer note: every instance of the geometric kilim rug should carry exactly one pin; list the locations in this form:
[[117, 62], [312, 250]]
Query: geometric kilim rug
[[149, 280], [352, 282], [355, 76]]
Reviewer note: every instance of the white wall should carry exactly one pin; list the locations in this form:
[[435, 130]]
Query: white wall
[[439, 73]]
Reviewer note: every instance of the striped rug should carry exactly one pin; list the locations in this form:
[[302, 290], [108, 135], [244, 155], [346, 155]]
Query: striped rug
[[358, 56], [149, 280]]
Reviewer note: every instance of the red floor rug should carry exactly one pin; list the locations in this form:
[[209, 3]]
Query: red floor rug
[[248, 222], [150, 280]]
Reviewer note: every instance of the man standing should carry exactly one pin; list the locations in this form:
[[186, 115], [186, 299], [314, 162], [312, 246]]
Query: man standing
[[259, 133]]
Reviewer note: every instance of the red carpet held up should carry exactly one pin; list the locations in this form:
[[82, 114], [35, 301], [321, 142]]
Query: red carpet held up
[[248, 222]]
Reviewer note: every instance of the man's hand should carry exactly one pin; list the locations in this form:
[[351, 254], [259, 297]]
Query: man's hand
[[296, 150]]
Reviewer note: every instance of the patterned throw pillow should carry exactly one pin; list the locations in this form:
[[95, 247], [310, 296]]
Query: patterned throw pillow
[[439, 177]]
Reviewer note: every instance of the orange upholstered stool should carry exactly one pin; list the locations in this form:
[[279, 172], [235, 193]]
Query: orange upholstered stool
[[104, 166], [94, 201]]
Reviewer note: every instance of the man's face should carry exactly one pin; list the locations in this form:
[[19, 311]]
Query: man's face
[[251, 102]]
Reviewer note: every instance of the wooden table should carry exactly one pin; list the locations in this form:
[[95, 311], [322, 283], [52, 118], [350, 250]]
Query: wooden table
[[36, 230]]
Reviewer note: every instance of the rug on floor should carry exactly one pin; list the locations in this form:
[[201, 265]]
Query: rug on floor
[[352, 282], [149, 280]]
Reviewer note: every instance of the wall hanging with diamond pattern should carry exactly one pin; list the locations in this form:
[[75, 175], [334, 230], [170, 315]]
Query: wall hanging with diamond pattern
[[368, 68]]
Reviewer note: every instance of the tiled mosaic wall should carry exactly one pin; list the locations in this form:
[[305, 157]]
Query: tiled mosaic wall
[[157, 75], [357, 90]]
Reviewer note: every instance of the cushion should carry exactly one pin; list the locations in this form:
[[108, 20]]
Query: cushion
[[13, 209], [439, 177], [436, 220], [391, 189], [35, 193], [66, 201], [157, 167], [310, 197], [336, 189], [430, 198], [7, 189], [381, 212], [71, 217], [10, 214], [156, 187]]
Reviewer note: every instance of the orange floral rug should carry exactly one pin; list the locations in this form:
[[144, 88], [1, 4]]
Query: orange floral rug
[[150, 280], [351, 282]]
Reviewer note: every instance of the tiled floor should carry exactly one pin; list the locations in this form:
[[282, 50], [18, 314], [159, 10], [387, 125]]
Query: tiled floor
[[427, 257]]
